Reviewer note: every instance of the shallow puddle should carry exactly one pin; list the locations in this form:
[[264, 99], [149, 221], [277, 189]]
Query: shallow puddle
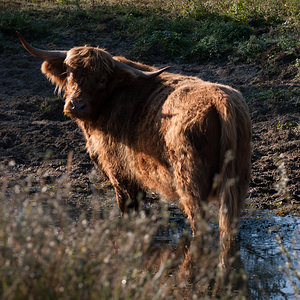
[[261, 256], [259, 240], [260, 253]]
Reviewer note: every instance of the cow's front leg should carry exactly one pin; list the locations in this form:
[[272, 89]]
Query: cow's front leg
[[128, 196]]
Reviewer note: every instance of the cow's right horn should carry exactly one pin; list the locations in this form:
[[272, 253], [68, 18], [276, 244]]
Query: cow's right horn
[[139, 73], [43, 54]]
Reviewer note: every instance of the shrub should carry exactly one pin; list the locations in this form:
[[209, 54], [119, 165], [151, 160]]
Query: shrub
[[250, 49]]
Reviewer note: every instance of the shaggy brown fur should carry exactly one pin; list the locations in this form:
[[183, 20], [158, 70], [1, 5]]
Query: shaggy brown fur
[[171, 134]]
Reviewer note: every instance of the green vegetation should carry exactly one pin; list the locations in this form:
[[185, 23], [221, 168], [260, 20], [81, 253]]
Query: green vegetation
[[187, 30]]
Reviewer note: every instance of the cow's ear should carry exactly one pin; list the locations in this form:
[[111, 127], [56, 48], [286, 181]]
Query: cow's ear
[[122, 77], [119, 78], [55, 71]]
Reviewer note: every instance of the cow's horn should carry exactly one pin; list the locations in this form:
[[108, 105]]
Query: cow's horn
[[43, 54], [139, 73]]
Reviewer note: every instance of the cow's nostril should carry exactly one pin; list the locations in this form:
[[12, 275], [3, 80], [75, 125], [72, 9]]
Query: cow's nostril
[[76, 105]]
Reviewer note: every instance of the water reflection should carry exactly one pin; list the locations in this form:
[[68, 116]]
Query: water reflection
[[261, 256]]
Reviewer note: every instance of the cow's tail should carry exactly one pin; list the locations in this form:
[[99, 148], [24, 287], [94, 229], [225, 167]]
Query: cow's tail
[[234, 157]]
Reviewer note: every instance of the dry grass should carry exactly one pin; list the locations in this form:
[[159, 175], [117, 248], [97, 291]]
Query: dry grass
[[48, 253]]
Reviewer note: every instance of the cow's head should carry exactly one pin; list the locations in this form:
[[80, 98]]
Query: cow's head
[[87, 75]]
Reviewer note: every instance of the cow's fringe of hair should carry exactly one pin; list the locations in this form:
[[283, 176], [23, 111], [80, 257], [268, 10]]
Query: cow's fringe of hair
[[90, 58]]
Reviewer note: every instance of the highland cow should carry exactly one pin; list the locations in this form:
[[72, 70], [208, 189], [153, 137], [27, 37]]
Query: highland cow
[[150, 130]]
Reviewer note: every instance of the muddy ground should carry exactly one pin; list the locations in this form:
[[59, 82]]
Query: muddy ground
[[36, 135]]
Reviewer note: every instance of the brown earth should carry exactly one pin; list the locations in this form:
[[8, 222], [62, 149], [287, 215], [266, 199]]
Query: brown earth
[[36, 135]]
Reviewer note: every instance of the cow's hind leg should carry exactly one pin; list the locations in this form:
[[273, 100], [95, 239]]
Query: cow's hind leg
[[195, 162], [195, 158]]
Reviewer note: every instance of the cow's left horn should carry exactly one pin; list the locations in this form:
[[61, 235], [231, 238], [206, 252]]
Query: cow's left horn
[[43, 54], [144, 74], [139, 73]]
